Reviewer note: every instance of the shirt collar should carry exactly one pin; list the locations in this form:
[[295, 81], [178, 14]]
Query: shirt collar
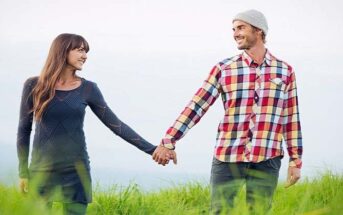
[[268, 57]]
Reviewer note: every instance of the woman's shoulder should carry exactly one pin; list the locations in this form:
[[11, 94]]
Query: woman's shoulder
[[88, 83], [31, 82], [90, 87]]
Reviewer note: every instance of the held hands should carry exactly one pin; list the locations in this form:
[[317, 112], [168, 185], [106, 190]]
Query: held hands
[[162, 155], [293, 176], [23, 185]]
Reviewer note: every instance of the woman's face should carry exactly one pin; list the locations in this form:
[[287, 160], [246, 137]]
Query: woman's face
[[76, 58]]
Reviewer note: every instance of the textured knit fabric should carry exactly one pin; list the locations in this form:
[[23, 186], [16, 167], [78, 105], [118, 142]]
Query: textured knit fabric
[[254, 18], [59, 140], [261, 110]]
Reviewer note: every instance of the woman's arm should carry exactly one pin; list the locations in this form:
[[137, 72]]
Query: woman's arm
[[98, 105], [25, 127]]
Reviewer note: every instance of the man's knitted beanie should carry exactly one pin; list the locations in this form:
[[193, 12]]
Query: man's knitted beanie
[[253, 17]]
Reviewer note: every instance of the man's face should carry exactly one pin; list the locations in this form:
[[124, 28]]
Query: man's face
[[245, 35]]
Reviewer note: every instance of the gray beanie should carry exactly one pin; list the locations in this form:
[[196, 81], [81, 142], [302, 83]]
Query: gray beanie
[[255, 18]]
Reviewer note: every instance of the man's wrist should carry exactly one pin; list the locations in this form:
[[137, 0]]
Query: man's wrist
[[295, 163], [169, 146], [168, 143]]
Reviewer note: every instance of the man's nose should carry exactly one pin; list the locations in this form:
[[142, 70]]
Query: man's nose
[[235, 33]]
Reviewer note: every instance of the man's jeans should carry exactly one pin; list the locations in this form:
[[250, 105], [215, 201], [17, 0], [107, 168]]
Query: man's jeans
[[228, 178]]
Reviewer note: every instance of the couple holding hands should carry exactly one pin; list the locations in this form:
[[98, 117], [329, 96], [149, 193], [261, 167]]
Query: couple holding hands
[[261, 111]]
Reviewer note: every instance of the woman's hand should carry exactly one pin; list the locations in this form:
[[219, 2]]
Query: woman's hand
[[162, 155], [24, 185]]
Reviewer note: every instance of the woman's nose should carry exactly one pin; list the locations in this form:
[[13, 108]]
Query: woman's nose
[[84, 55]]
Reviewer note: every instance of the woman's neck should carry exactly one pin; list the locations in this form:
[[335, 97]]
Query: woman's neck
[[68, 80], [67, 76]]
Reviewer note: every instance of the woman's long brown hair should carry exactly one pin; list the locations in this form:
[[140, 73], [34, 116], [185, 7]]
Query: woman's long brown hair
[[56, 61]]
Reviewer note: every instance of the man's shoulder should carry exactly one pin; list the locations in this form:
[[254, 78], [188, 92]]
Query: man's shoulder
[[227, 62], [275, 61]]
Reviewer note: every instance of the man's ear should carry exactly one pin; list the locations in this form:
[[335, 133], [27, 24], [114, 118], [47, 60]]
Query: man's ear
[[260, 31]]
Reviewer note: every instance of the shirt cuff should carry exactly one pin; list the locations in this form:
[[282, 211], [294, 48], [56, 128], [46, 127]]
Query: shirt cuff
[[168, 143], [295, 163]]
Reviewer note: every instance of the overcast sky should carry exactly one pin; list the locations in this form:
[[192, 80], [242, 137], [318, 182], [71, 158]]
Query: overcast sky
[[150, 56]]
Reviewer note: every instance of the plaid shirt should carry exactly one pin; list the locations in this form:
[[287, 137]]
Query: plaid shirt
[[261, 110]]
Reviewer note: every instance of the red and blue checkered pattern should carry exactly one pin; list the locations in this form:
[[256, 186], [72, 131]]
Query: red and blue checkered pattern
[[261, 110]]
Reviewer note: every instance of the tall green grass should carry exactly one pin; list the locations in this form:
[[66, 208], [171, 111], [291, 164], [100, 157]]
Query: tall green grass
[[322, 195]]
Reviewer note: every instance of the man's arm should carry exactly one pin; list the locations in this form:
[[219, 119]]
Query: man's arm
[[292, 131], [193, 112]]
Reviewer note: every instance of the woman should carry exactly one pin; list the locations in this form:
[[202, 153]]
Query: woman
[[56, 101]]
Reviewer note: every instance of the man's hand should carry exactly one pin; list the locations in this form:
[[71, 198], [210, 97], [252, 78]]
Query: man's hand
[[162, 155], [23, 185], [293, 176]]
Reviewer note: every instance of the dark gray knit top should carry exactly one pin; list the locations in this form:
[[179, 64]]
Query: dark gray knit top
[[59, 140]]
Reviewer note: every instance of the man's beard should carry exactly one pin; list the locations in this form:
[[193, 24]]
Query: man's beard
[[248, 43]]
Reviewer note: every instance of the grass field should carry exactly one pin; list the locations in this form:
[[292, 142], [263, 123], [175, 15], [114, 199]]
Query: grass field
[[322, 195]]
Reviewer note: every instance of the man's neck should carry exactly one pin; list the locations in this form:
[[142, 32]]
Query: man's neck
[[257, 53]]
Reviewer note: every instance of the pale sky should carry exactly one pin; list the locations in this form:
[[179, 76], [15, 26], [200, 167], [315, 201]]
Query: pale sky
[[149, 57]]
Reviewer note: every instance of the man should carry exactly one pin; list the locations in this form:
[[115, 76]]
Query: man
[[261, 110]]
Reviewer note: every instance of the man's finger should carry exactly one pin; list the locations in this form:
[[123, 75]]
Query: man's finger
[[291, 181], [174, 157], [175, 160], [289, 175], [295, 179]]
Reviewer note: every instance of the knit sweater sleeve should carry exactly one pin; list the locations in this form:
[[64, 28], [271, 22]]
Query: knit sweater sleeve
[[98, 105], [25, 127]]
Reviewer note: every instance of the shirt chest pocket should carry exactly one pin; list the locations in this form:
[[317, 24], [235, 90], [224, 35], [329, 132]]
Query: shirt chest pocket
[[274, 88]]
